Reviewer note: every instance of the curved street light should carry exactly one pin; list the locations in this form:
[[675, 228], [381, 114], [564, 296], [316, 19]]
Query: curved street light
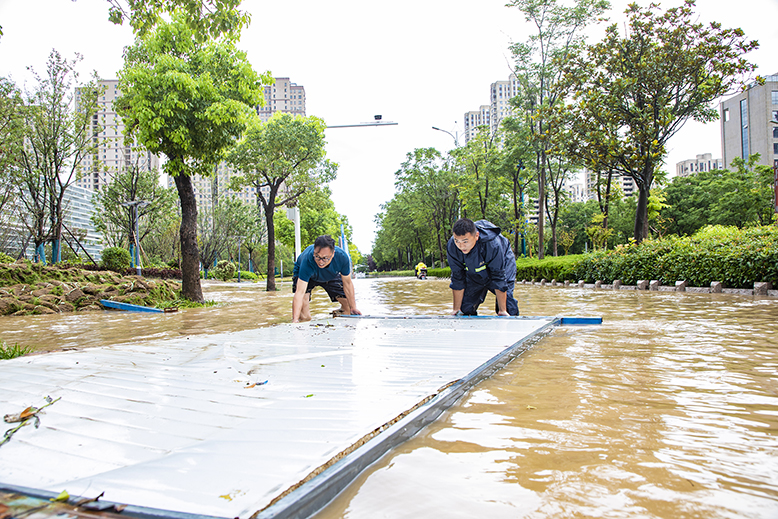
[[455, 137]]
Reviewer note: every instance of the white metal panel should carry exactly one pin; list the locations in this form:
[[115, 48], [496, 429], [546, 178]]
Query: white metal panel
[[172, 424]]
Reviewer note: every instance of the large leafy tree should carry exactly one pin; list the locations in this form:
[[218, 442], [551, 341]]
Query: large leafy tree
[[557, 33], [430, 186], [57, 116], [639, 88], [190, 101], [281, 159]]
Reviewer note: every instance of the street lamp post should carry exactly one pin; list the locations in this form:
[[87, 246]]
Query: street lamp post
[[136, 205], [240, 241], [454, 136], [519, 167]]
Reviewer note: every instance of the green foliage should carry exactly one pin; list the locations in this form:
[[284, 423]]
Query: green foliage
[[559, 268], [635, 89], [116, 259], [11, 351], [286, 151], [737, 258], [116, 221], [740, 198], [58, 134], [247, 276], [5, 258], [189, 99], [224, 270], [206, 18], [439, 273], [186, 99]]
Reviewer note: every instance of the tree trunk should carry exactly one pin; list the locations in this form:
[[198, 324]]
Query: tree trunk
[[541, 204], [190, 255], [641, 214], [271, 251]]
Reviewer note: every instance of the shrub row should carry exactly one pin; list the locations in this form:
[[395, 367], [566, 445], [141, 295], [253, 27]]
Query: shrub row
[[737, 258]]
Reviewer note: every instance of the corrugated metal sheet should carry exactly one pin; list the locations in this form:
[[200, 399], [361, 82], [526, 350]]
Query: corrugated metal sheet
[[190, 425]]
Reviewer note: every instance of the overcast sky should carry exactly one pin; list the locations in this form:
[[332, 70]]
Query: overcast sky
[[420, 63]]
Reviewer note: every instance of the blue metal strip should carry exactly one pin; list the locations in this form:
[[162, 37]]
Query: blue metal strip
[[129, 307]]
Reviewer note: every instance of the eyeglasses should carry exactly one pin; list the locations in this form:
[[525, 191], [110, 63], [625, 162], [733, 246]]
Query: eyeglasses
[[321, 258]]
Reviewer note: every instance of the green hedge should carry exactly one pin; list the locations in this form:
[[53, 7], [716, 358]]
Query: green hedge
[[559, 268], [738, 258]]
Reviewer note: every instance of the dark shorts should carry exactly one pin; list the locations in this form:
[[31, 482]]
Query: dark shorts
[[334, 288], [474, 296]]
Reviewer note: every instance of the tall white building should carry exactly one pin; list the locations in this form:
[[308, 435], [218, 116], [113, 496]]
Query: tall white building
[[112, 155], [703, 162], [748, 123], [491, 115], [283, 96], [625, 183]]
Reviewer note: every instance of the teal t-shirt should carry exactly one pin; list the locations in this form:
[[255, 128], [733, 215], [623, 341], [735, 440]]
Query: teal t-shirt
[[305, 267]]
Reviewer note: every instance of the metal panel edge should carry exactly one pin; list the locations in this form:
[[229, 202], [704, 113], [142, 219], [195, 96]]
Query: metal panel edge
[[314, 495]]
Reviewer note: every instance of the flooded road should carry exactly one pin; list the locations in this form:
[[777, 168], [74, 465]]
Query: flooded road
[[668, 409]]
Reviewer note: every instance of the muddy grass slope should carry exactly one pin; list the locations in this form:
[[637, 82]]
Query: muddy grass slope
[[31, 288]]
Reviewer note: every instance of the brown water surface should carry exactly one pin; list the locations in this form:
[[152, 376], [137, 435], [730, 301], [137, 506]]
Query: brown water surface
[[668, 409]]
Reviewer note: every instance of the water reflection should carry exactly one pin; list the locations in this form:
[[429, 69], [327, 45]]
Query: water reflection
[[668, 409]]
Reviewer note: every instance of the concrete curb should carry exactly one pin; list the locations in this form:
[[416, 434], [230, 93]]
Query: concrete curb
[[760, 288]]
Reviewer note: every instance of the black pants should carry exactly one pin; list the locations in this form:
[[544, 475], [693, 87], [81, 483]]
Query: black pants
[[475, 295], [334, 287]]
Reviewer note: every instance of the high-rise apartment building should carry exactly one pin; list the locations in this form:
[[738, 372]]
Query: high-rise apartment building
[[703, 162], [283, 96], [625, 183], [491, 115], [112, 155], [749, 123]]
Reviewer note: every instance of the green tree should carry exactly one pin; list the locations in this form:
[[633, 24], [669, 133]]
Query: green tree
[[205, 18], [430, 187], [286, 156], [558, 32], [740, 198], [11, 141], [190, 101], [116, 222], [219, 227], [57, 118], [640, 88], [482, 183]]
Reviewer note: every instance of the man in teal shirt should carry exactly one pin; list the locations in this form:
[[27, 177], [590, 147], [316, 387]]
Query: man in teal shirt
[[323, 265]]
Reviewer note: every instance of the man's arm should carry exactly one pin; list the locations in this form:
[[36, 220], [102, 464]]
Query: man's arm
[[297, 300], [348, 288], [502, 302], [458, 296]]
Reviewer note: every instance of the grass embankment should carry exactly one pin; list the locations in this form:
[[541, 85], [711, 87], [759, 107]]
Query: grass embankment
[[32, 289]]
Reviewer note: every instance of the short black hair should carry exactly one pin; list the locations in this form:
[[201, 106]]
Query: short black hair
[[464, 226], [324, 241]]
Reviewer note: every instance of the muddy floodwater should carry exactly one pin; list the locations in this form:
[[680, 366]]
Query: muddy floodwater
[[669, 409]]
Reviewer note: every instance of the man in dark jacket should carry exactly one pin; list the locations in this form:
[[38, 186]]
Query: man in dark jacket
[[481, 260]]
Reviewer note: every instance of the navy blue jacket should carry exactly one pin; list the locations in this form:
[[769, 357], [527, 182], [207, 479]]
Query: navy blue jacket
[[489, 264]]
